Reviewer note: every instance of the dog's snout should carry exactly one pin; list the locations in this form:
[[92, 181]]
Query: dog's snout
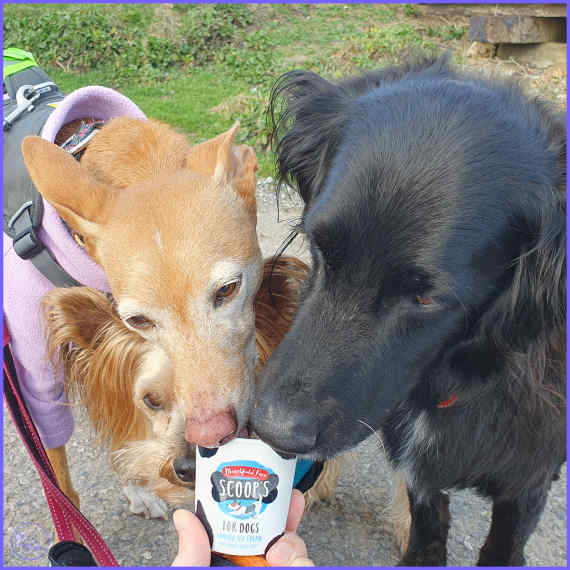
[[185, 469], [285, 429], [217, 429]]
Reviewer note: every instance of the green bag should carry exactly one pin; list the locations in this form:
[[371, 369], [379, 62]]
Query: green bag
[[30, 98], [16, 59]]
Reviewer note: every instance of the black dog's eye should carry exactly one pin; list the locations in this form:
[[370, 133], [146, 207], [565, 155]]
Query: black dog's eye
[[423, 300], [140, 322], [152, 402], [323, 258]]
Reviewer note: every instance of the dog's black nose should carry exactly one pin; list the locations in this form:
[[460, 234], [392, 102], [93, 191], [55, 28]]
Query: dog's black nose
[[185, 469], [285, 430]]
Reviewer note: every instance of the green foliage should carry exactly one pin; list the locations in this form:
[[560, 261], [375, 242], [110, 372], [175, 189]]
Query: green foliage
[[447, 33], [411, 10], [206, 28], [379, 42], [386, 14], [252, 60], [77, 39], [249, 109], [129, 39]]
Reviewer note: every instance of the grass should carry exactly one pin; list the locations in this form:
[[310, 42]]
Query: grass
[[200, 67]]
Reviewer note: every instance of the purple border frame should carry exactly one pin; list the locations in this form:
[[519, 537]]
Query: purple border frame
[[272, 2]]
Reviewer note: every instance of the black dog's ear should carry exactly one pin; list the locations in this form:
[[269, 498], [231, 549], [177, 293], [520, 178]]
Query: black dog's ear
[[524, 327], [526, 324], [535, 303], [306, 115], [554, 125], [534, 306]]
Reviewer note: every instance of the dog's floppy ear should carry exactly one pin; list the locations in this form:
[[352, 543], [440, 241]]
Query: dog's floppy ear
[[79, 199], [100, 358], [75, 315], [276, 303], [306, 115], [535, 302], [226, 163], [525, 325]]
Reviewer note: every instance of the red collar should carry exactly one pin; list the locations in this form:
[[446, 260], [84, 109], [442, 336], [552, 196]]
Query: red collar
[[448, 403]]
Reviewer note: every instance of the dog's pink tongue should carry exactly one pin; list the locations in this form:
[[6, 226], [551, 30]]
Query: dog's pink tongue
[[217, 429]]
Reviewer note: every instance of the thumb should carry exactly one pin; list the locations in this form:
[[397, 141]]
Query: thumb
[[193, 542]]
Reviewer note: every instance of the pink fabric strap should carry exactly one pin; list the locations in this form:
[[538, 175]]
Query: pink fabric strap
[[64, 513]]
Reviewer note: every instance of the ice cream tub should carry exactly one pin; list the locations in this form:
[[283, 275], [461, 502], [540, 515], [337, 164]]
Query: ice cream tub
[[243, 490]]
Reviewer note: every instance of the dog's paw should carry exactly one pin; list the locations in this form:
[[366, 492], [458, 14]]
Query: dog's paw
[[400, 512], [435, 554], [498, 557], [145, 503], [324, 488]]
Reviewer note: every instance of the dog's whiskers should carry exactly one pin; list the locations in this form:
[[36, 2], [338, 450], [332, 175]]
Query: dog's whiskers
[[375, 433]]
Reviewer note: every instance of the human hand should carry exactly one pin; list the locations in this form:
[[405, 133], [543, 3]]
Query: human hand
[[194, 546], [290, 549]]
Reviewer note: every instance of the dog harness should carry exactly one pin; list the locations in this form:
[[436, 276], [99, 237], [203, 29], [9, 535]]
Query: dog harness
[[33, 231]]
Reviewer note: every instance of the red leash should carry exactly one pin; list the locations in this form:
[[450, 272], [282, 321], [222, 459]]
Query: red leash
[[64, 513]]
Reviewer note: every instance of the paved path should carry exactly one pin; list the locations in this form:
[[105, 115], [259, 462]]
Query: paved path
[[353, 530]]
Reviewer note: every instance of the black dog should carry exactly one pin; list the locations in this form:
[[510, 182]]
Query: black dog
[[435, 308]]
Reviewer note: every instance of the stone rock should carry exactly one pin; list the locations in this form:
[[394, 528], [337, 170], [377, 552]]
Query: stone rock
[[550, 54]]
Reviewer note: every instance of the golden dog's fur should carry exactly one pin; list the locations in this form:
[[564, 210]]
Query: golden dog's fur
[[101, 357], [161, 218]]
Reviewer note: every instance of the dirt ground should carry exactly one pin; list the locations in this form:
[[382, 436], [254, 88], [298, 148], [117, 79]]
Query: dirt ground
[[548, 82]]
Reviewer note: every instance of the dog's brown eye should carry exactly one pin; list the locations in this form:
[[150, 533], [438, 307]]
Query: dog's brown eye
[[140, 322], [423, 300], [227, 292], [151, 402]]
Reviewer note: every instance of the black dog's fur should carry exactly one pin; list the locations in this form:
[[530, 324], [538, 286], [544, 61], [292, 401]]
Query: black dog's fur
[[435, 212]]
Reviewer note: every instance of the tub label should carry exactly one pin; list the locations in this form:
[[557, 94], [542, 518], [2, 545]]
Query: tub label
[[243, 489]]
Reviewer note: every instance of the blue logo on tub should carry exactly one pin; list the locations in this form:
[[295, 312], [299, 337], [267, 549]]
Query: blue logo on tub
[[243, 489]]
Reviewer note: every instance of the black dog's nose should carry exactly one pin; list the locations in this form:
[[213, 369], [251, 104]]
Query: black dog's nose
[[185, 469], [285, 430]]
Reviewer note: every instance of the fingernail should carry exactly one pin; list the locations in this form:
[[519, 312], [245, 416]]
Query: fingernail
[[281, 552]]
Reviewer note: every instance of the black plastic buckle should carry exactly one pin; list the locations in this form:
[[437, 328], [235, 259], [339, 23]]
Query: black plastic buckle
[[69, 553], [26, 242]]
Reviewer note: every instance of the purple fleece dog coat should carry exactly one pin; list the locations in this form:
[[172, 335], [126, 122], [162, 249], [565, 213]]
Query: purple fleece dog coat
[[24, 285]]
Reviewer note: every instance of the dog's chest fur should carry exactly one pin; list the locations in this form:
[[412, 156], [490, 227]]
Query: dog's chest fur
[[411, 439], [470, 444]]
